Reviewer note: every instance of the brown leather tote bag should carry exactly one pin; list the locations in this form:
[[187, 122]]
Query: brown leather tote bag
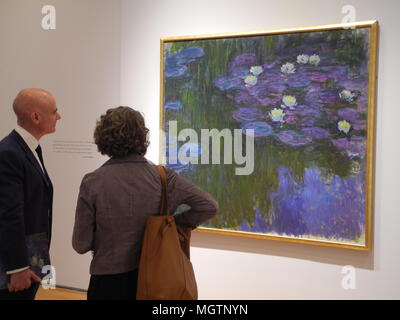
[[165, 270]]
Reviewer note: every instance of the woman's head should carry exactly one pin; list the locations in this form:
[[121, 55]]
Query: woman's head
[[121, 131]]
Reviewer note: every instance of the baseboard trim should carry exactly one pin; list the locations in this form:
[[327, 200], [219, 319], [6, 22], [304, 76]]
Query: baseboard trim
[[70, 288]]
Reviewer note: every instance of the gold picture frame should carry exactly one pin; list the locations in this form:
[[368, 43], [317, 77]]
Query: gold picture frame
[[333, 118]]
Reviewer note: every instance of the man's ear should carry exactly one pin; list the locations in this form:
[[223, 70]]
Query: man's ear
[[35, 117]]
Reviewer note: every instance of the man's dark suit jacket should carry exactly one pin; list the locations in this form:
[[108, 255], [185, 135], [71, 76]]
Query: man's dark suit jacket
[[26, 197]]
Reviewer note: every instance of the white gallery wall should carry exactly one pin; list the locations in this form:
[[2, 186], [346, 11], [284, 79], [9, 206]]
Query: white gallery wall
[[107, 52]]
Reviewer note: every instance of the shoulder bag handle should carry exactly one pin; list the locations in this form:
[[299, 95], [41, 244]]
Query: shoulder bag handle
[[164, 203]]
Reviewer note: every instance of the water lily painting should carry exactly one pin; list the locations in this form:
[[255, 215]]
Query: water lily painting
[[309, 97]]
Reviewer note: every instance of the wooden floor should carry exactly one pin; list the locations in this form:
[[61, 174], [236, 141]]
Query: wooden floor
[[59, 294]]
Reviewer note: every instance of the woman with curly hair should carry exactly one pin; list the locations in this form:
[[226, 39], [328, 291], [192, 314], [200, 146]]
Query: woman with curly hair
[[115, 201]]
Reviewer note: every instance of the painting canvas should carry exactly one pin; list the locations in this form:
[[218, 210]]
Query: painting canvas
[[305, 98]]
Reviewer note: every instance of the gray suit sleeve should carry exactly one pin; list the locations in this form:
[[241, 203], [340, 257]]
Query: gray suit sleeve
[[85, 222], [181, 191]]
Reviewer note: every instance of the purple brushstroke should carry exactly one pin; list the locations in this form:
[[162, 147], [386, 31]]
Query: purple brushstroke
[[244, 59], [314, 207], [229, 83], [348, 114], [175, 64], [322, 96], [316, 133], [261, 129], [355, 146], [247, 114], [293, 138], [173, 105], [243, 97]]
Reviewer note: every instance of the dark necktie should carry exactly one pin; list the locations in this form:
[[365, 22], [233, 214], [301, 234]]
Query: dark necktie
[[48, 182], [40, 155]]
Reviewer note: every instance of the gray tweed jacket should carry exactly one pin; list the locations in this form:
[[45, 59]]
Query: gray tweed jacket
[[114, 202]]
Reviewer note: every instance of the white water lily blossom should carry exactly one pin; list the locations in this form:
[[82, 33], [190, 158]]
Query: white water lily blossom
[[289, 101], [288, 68], [277, 115], [315, 60], [250, 80], [256, 70], [344, 126], [347, 95], [302, 58]]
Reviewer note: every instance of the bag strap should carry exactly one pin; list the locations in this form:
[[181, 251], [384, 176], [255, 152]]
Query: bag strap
[[164, 203]]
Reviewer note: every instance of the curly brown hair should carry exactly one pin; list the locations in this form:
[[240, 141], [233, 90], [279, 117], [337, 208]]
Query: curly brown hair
[[121, 131]]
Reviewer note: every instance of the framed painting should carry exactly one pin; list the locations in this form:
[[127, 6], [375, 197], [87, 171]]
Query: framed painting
[[279, 126]]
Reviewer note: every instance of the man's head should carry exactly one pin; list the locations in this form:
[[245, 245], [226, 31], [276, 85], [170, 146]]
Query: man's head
[[36, 111]]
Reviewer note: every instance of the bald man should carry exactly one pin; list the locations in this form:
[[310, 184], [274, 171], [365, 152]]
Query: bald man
[[26, 196]]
